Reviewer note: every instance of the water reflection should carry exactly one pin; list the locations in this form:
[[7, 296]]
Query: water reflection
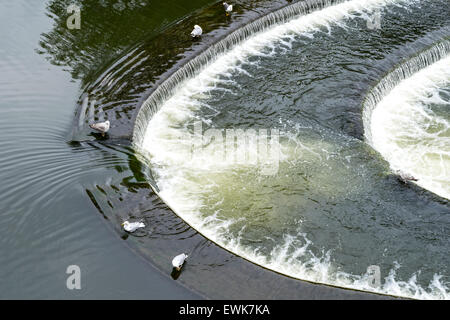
[[121, 50], [108, 27]]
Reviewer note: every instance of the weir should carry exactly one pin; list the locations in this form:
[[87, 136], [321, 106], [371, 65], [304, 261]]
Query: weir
[[171, 99], [164, 90], [398, 117], [401, 72]]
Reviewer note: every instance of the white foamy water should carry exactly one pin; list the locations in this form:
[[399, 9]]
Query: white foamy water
[[410, 135], [189, 184]]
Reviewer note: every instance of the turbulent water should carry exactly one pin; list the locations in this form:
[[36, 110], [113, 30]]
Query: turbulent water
[[320, 204], [411, 127]]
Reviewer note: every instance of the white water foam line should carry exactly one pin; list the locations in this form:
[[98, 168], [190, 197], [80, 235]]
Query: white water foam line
[[410, 135], [165, 137], [395, 76]]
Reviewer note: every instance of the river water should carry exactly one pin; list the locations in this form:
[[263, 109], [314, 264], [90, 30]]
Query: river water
[[329, 207], [47, 220]]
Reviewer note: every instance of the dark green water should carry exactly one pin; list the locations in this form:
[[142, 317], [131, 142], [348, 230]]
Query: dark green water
[[332, 208]]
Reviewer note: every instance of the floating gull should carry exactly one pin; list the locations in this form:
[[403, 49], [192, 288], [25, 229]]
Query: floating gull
[[197, 32], [228, 8], [178, 261], [405, 177], [132, 226], [102, 127]]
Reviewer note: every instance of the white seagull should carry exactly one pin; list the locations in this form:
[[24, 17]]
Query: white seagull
[[405, 177], [102, 127], [228, 8], [197, 32], [178, 261], [132, 226]]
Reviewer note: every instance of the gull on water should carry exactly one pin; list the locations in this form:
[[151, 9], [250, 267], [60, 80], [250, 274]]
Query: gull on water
[[102, 127], [228, 8], [132, 226], [178, 261], [405, 177], [197, 32]]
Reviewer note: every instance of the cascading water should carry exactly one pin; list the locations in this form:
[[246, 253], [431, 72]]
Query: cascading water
[[410, 125], [301, 8], [326, 214], [405, 70]]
